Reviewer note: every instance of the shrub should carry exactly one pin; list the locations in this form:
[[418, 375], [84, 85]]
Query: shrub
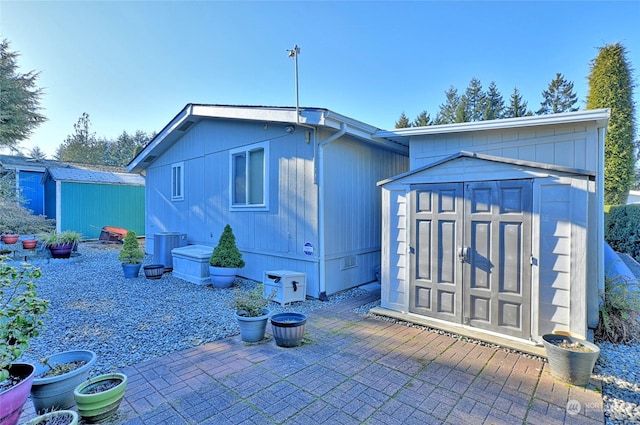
[[622, 229], [226, 254], [15, 218], [251, 302], [21, 311], [619, 312], [131, 252]]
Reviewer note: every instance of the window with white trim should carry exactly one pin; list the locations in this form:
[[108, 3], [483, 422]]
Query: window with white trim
[[177, 181], [249, 176]]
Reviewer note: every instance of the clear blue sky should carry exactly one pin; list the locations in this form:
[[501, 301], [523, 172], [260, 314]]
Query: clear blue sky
[[134, 65]]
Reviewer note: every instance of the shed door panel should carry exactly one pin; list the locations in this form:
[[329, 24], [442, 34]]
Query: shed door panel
[[435, 236], [470, 247], [497, 272]]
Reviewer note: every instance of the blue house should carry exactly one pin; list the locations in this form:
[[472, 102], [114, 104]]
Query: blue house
[[297, 187]]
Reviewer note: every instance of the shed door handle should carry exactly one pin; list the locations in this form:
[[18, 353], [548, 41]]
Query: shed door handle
[[463, 253]]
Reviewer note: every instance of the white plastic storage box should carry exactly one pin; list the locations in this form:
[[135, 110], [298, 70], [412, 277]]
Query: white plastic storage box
[[290, 286], [191, 263]]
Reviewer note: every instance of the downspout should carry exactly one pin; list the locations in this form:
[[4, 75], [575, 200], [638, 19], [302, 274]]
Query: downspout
[[321, 226]]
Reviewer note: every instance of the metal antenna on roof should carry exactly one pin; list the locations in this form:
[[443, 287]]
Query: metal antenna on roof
[[293, 53]]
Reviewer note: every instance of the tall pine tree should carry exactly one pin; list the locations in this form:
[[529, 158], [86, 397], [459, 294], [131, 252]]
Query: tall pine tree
[[517, 106], [403, 121], [422, 120], [19, 100], [559, 97], [475, 101], [449, 111], [611, 86], [494, 105]]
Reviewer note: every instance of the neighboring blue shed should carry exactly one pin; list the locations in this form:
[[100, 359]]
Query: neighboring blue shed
[[28, 172], [85, 200]]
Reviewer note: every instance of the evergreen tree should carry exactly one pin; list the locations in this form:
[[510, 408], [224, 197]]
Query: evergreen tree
[[450, 110], [422, 120], [517, 106], [19, 100], [611, 86], [475, 101], [403, 121], [121, 151], [82, 146], [494, 105], [37, 154], [559, 97]]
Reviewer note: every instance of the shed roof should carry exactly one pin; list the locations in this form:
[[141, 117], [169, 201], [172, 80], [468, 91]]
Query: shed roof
[[402, 135], [82, 175], [498, 159], [16, 162]]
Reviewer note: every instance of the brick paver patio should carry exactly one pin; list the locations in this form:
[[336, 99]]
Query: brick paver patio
[[351, 369]]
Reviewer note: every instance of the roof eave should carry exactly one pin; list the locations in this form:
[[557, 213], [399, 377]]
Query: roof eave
[[599, 116]]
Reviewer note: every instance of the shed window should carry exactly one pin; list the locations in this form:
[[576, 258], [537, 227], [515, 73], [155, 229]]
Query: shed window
[[177, 181], [249, 177]]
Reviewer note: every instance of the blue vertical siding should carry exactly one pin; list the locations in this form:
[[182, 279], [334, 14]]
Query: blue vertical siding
[[32, 190]]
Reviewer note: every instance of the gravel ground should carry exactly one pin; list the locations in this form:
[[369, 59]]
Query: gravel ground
[[126, 321]]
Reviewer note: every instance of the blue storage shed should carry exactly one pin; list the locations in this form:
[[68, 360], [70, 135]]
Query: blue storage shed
[[85, 200]]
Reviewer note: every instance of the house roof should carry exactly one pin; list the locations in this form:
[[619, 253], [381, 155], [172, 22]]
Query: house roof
[[314, 117], [498, 159], [84, 175], [14, 162], [402, 135]]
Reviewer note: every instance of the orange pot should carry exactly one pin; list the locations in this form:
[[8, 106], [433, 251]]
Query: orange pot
[[29, 243], [10, 239]]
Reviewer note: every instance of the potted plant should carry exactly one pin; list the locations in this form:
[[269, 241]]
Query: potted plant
[[570, 359], [288, 328], [153, 271], [225, 260], [9, 238], [57, 417], [57, 376], [61, 244], [29, 243], [99, 398], [251, 312], [21, 313], [131, 255]]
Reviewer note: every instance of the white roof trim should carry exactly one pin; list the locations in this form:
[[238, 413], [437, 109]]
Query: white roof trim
[[600, 116], [492, 158], [318, 117]]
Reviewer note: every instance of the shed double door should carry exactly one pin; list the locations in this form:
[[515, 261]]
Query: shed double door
[[471, 251]]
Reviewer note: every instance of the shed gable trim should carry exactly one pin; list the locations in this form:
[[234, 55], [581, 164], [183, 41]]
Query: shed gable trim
[[491, 158]]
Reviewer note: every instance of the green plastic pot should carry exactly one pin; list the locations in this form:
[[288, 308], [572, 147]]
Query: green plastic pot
[[100, 405]]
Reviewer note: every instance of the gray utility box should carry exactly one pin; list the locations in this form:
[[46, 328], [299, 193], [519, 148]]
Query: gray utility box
[[289, 286], [163, 243]]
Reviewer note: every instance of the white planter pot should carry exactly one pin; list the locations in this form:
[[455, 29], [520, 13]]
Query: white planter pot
[[222, 277]]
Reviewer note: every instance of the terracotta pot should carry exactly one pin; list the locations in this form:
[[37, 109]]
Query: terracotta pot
[[29, 243], [10, 239]]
